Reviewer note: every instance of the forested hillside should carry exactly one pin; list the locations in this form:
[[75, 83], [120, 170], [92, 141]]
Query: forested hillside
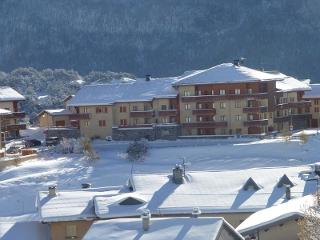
[[160, 37]]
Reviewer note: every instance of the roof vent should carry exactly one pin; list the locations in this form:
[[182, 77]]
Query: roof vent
[[85, 185], [196, 212], [251, 184], [238, 62], [146, 219], [52, 191], [284, 181], [177, 174], [148, 77]]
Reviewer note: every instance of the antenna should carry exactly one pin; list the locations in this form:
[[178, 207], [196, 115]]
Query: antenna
[[184, 165]]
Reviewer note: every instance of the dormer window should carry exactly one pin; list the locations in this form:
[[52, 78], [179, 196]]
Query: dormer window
[[131, 201], [251, 185], [284, 182]]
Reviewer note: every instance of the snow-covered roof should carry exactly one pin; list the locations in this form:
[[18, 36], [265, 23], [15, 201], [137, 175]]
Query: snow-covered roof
[[217, 192], [162, 229], [111, 206], [9, 94], [225, 73], [314, 93], [56, 112], [289, 84], [69, 205], [269, 216], [137, 90], [24, 230], [4, 111]]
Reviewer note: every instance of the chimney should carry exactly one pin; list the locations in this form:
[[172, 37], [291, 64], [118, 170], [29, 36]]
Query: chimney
[[236, 62], [196, 212], [52, 191], [148, 77], [177, 174], [85, 185], [288, 192], [146, 216]]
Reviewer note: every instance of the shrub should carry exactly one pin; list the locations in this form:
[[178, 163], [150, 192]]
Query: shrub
[[137, 150]]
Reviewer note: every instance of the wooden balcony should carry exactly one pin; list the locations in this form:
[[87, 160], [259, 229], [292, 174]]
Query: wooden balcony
[[258, 122], [301, 104], [206, 98], [136, 126], [293, 117], [260, 109], [79, 116], [16, 115], [147, 113], [207, 111], [209, 124], [15, 127], [169, 112]]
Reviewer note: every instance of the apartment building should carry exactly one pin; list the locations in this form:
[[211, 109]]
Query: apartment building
[[227, 99], [314, 97], [10, 123]]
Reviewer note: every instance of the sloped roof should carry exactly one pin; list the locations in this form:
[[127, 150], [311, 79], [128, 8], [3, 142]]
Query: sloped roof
[[217, 192], [136, 90], [272, 215], [56, 112], [9, 94], [226, 73], [314, 93], [289, 84], [162, 229]]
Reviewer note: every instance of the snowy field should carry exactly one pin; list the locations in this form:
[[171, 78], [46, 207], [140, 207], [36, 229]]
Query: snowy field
[[19, 185]]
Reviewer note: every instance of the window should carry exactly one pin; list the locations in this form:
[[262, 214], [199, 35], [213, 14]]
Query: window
[[237, 104], [250, 117], [291, 99], [123, 109], [186, 93], [222, 105], [199, 92], [164, 120], [238, 117], [147, 120], [163, 107], [136, 121], [237, 91], [222, 92], [86, 123], [102, 123], [212, 92], [223, 131], [98, 110], [222, 118], [316, 102], [71, 231], [123, 122], [199, 106], [85, 109], [249, 91], [187, 106], [134, 108], [188, 119], [270, 115], [213, 118], [200, 119], [316, 109], [213, 106]]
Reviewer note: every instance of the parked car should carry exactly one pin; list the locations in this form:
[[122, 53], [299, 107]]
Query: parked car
[[32, 143], [52, 141], [13, 149]]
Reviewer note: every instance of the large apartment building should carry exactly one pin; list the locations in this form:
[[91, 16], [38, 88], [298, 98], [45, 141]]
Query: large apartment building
[[226, 99], [10, 123]]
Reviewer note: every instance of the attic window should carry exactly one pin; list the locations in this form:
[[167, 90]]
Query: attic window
[[251, 185], [284, 181], [131, 201]]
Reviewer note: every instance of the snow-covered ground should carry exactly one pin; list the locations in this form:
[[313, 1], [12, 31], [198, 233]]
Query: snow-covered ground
[[19, 185]]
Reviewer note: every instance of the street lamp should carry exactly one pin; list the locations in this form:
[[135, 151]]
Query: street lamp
[[3, 112]]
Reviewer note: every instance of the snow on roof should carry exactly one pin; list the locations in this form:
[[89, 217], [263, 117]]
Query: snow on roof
[[268, 216], [217, 192], [161, 229], [9, 94], [110, 206], [21, 230], [4, 111], [314, 93], [291, 84], [69, 205], [138, 90], [225, 73], [56, 112]]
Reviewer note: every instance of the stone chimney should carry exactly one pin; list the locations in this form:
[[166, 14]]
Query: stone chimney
[[52, 191], [196, 212], [146, 219], [177, 174], [148, 77], [288, 192]]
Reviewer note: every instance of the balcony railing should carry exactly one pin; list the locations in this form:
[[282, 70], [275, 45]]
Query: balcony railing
[[14, 127], [168, 112], [258, 122], [288, 118], [260, 109], [146, 113], [79, 116], [203, 98], [293, 105], [204, 111], [209, 124], [16, 115], [149, 125]]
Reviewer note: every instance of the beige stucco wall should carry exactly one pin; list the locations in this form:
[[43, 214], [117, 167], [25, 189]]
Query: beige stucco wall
[[58, 229]]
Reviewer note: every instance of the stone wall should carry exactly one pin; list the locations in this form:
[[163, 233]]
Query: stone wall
[[63, 132]]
